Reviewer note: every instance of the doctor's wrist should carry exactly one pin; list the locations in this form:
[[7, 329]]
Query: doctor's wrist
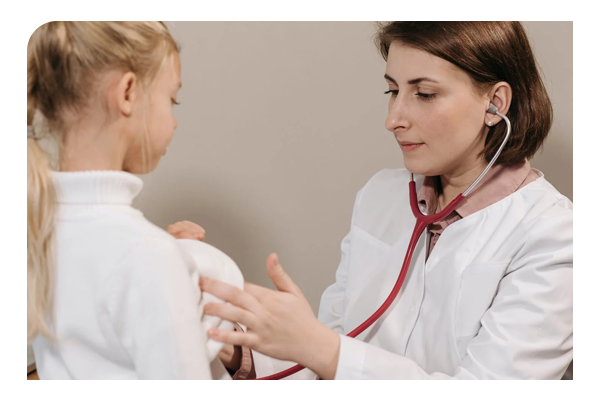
[[231, 357], [322, 353]]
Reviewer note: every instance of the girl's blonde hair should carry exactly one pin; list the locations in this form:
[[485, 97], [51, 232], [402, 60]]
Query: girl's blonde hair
[[65, 61]]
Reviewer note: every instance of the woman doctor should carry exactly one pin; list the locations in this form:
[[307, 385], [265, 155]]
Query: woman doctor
[[489, 291]]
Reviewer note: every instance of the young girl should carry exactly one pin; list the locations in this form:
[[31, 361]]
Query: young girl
[[109, 295]]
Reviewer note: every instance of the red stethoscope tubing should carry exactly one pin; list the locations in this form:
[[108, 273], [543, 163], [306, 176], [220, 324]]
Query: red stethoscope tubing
[[420, 225]]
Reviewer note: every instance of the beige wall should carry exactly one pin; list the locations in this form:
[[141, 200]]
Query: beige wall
[[282, 123]]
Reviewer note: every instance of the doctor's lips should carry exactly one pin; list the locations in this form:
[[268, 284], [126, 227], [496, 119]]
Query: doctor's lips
[[409, 146]]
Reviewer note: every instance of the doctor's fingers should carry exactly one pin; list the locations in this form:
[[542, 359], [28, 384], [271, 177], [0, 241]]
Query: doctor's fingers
[[283, 282], [231, 313], [268, 297], [245, 339], [231, 294]]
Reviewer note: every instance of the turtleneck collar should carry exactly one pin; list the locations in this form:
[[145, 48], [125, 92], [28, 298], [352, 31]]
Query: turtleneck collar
[[96, 187]]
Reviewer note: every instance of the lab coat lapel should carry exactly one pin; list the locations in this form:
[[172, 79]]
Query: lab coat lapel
[[378, 286]]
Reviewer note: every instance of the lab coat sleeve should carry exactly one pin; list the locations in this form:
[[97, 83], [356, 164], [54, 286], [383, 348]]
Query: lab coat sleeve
[[331, 308], [153, 308], [527, 333]]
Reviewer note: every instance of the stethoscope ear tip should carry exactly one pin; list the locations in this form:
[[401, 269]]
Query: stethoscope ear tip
[[492, 109]]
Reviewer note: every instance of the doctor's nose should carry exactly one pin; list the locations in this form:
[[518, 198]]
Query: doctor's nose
[[396, 118]]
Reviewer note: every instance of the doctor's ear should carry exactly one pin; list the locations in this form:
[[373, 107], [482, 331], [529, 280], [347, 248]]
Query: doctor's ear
[[500, 96]]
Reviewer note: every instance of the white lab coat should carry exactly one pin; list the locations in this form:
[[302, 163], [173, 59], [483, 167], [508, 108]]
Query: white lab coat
[[494, 300]]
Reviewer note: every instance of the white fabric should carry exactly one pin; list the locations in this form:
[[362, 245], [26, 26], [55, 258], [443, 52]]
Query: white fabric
[[494, 300], [30, 358], [211, 262], [127, 302]]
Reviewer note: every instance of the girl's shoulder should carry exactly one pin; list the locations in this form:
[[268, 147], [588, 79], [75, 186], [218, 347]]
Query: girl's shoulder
[[208, 261]]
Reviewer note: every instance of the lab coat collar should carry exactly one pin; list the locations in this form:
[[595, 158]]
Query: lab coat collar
[[498, 183]]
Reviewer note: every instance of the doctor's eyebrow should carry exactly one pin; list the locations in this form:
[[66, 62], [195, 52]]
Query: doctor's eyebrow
[[410, 82]]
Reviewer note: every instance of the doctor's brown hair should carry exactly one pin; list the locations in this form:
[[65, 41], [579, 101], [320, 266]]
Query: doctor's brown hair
[[489, 52], [66, 62]]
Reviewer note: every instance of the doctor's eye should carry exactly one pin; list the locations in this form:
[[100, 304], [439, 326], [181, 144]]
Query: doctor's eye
[[393, 92], [426, 96]]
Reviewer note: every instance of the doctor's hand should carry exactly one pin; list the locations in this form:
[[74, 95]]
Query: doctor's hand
[[187, 230], [280, 323]]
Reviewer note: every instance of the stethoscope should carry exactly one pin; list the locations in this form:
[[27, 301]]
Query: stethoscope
[[420, 225]]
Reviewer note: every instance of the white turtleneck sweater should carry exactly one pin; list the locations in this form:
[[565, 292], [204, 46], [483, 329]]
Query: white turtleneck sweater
[[125, 304]]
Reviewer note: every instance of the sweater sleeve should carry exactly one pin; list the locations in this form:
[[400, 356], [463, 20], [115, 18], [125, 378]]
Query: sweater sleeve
[[153, 306]]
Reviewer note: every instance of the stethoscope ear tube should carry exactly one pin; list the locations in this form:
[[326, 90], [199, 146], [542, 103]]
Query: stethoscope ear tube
[[493, 160]]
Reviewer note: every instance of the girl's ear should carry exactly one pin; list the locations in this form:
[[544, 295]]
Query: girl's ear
[[127, 91]]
